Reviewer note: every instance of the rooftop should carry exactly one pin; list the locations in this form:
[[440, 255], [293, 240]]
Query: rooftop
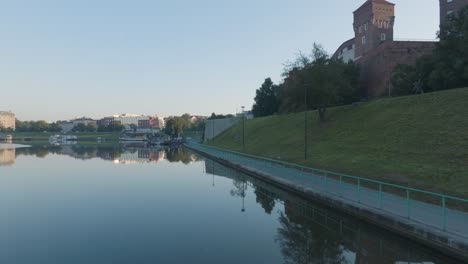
[[374, 1]]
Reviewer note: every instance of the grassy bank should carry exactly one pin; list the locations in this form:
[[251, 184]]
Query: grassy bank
[[416, 141], [22, 137]]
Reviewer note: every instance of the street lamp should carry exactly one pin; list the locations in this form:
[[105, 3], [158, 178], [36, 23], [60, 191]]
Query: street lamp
[[243, 129], [305, 122]]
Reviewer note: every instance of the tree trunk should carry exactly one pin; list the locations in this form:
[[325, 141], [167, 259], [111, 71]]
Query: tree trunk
[[321, 111]]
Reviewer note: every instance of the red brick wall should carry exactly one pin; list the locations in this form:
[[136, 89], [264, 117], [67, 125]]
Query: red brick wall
[[377, 66], [371, 14]]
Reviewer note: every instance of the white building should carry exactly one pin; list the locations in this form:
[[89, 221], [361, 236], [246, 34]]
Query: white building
[[128, 120], [67, 126]]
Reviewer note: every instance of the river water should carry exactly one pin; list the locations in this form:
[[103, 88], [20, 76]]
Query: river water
[[132, 204]]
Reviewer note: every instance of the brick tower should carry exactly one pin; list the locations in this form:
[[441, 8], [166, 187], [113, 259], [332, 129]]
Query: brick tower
[[373, 24]]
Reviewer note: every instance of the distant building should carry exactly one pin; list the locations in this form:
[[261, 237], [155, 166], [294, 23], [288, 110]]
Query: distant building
[[151, 122], [67, 126], [346, 52], [7, 120], [449, 7], [247, 114], [105, 121], [196, 118], [129, 120]]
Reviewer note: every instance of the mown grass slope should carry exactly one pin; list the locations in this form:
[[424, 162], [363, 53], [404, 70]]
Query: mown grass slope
[[417, 141]]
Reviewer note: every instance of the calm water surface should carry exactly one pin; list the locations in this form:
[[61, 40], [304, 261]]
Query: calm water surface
[[131, 204]]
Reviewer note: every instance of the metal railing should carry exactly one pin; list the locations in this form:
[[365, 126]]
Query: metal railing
[[448, 213]]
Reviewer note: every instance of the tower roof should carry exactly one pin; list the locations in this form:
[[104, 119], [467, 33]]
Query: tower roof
[[374, 1]]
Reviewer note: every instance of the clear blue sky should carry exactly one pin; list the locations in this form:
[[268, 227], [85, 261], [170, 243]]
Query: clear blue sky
[[63, 59]]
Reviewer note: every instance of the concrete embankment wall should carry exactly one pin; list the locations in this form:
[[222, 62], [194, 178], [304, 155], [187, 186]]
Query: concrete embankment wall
[[450, 244], [218, 126]]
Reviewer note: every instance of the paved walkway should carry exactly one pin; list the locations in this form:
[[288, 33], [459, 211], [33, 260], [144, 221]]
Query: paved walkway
[[455, 222]]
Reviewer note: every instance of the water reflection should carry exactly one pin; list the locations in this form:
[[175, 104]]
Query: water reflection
[[7, 157], [118, 154], [171, 214], [309, 233]]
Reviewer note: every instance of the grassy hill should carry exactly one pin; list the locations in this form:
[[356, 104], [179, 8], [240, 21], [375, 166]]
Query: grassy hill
[[417, 141]]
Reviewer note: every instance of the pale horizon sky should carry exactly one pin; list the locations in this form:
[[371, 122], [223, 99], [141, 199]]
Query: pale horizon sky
[[66, 59]]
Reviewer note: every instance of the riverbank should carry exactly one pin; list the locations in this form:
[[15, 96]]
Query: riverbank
[[413, 219], [416, 141]]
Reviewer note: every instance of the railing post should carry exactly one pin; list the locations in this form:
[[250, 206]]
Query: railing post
[[326, 181], [408, 205], [341, 185], [359, 190], [380, 195], [444, 213]]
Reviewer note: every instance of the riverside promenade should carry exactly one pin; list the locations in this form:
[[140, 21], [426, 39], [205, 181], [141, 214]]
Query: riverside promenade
[[436, 220]]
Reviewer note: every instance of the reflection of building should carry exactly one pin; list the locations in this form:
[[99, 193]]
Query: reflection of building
[[141, 156], [7, 157], [448, 7], [7, 120]]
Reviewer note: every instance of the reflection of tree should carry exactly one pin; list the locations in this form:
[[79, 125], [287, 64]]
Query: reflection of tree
[[109, 153], [180, 155], [265, 199], [303, 242], [38, 151], [240, 185]]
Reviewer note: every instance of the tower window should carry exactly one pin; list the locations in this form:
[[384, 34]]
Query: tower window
[[363, 40], [365, 26], [383, 37]]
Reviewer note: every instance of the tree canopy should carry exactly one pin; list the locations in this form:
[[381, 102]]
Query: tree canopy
[[37, 126], [267, 100], [446, 68], [318, 82]]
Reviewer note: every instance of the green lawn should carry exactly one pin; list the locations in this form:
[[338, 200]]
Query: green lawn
[[416, 141]]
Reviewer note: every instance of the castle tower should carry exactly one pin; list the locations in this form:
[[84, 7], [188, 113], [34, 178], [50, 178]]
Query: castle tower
[[448, 7], [373, 24]]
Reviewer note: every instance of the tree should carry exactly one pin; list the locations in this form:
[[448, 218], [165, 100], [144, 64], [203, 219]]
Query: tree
[[267, 99], [81, 127], [402, 80], [318, 82], [175, 126], [91, 127], [112, 127], [134, 127], [446, 68], [55, 127]]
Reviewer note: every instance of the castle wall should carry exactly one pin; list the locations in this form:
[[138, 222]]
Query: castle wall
[[378, 65]]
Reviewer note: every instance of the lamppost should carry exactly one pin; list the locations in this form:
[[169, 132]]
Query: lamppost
[[243, 195], [243, 129], [305, 122]]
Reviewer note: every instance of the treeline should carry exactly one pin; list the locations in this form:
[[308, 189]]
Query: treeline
[[37, 126], [177, 125], [112, 127], [215, 116], [314, 81], [446, 68]]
